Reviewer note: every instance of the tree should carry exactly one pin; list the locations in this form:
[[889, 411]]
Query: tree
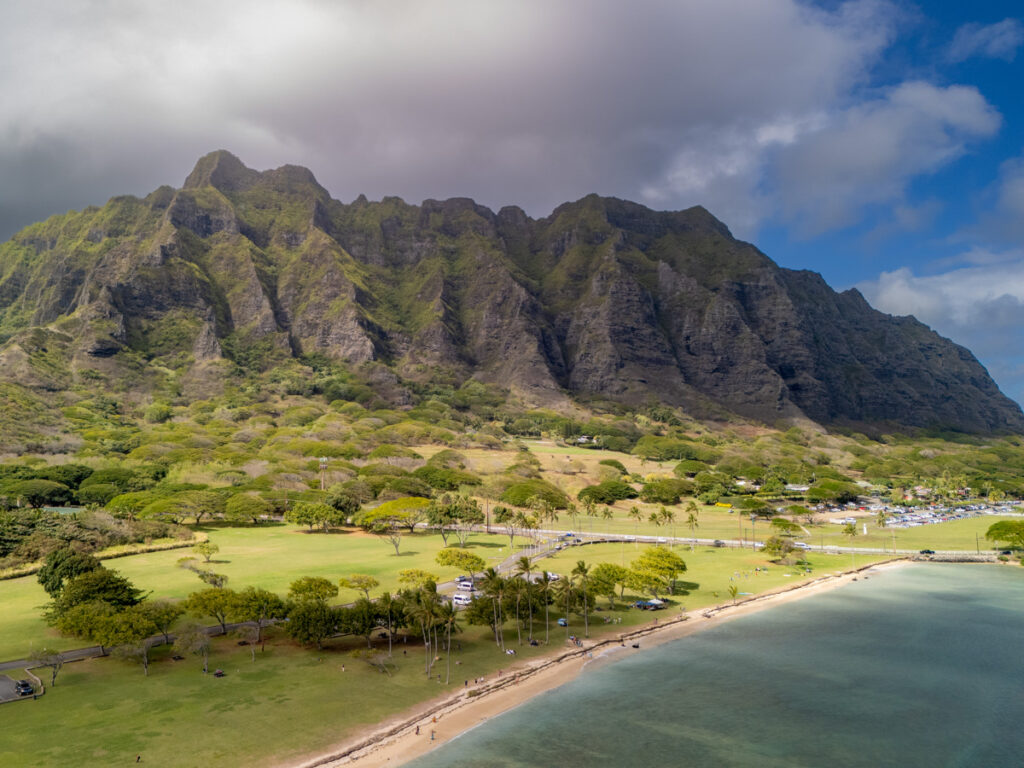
[[610, 575], [461, 559], [661, 564], [246, 507], [565, 592], [359, 582], [544, 588], [90, 621], [312, 621], [1010, 531], [129, 505], [525, 568], [193, 638], [779, 548], [344, 499], [362, 618], [129, 632], [207, 549], [509, 519], [733, 592], [494, 587], [582, 573], [693, 525], [40, 493], [47, 657], [448, 618], [63, 564], [784, 527], [850, 530], [315, 514], [636, 516], [261, 607], [385, 525], [163, 614], [217, 602], [417, 578], [644, 582], [668, 517], [101, 585], [312, 589]]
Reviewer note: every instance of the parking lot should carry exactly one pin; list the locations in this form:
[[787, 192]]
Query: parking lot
[[7, 691]]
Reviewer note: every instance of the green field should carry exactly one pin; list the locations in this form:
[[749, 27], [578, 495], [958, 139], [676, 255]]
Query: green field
[[269, 556], [293, 701], [710, 571]]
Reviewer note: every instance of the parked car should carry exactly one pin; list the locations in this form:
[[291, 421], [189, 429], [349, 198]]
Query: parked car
[[927, 552], [718, 543], [563, 622], [801, 545], [460, 599], [24, 688], [466, 586]]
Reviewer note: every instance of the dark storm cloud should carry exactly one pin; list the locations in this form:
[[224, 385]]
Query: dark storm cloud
[[522, 102]]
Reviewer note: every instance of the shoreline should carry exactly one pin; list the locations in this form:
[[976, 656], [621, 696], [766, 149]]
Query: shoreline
[[396, 741]]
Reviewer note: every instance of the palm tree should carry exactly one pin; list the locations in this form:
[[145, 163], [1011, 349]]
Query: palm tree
[[494, 587], [525, 568], [574, 513], [668, 517], [733, 591], [850, 530], [590, 510], [582, 572], [425, 612], [637, 516], [564, 589], [448, 617], [693, 525], [544, 585]]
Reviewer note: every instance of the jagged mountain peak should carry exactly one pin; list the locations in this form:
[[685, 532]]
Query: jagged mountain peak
[[603, 299]]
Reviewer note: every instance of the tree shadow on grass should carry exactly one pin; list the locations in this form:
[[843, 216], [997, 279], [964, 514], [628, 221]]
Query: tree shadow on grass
[[683, 588], [484, 545]]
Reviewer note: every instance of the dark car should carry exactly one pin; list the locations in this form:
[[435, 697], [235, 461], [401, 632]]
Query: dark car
[[718, 543], [24, 688], [927, 552]]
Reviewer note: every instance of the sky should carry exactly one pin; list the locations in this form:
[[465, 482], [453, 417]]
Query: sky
[[878, 142]]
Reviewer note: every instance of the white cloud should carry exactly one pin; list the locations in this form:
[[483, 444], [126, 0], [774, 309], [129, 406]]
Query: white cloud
[[993, 41], [520, 101], [980, 307], [868, 153]]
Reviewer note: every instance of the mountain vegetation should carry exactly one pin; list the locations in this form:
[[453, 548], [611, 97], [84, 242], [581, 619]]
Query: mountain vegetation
[[242, 285]]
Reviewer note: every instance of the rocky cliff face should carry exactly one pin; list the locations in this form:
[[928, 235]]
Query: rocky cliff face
[[603, 299]]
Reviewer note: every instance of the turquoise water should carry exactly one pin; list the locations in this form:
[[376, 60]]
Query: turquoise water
[[920, 666]]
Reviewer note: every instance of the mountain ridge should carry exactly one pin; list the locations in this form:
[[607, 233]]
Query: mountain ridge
[[603, 299]]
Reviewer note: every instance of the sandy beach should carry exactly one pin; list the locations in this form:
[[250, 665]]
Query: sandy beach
[[435, 722]]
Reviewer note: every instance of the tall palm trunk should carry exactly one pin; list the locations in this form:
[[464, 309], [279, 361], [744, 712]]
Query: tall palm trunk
[[519, 624], [448, 674], [529, 603]]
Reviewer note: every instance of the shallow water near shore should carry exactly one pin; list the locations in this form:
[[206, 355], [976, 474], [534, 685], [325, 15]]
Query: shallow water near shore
[[918, 666]]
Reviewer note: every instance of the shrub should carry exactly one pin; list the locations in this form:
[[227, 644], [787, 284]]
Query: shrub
[[665, 491], [520, 494], [608, 492]]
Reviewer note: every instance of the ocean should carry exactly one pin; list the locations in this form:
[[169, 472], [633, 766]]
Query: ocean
[[917, 666]]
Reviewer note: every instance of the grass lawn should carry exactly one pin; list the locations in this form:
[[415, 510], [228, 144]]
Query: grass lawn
[[292, 701], [270, 556], [710, 571]]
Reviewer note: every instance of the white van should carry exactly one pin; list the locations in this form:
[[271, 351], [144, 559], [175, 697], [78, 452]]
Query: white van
[[460, 599], [466, 586]]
